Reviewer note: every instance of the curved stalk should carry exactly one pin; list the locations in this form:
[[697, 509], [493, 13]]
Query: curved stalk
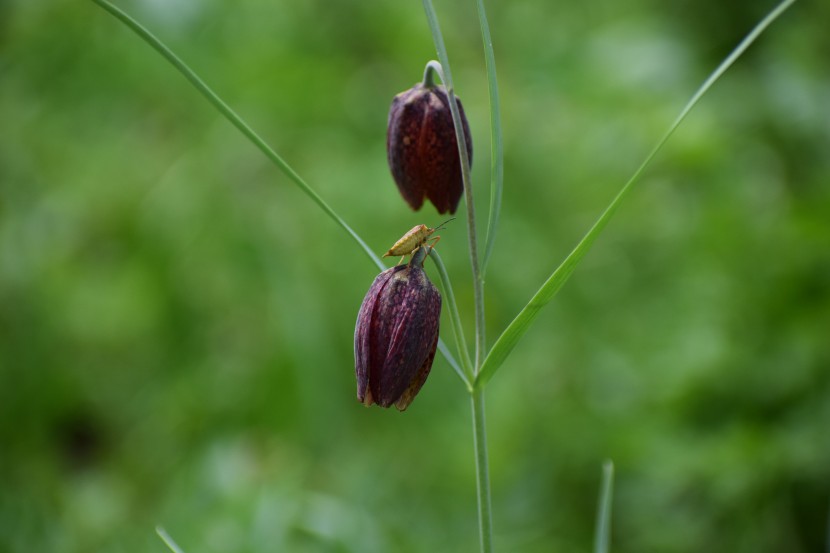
[[432, 69]]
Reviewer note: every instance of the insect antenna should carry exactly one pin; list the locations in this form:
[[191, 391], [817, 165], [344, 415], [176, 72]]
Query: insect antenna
[[439, 227]]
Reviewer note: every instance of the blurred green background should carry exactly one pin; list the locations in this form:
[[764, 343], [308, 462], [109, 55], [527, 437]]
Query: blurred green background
[[176, 318]]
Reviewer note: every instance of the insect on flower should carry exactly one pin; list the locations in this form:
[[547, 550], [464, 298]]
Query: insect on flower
[[414, 239], [396, 335]]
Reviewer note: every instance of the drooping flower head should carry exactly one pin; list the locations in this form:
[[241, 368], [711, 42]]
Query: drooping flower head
[[396, 336], [422, 148]]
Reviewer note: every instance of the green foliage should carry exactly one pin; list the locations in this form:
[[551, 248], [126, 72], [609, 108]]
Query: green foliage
[[520, 325], [176, 321]]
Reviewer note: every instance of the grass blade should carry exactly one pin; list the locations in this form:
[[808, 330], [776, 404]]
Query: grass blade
[[446, 77], [603, 532], [168, 541], [496, 141], [520, 325], [236, 120]]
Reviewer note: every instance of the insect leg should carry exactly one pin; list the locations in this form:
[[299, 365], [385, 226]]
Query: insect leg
[[434, 241]]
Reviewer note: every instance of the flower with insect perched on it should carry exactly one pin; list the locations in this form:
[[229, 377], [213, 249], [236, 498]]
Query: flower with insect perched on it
[[396, 335], [422, 148]]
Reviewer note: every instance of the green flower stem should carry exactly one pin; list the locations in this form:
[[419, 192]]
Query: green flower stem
[[520, 325], [485, 519], [485, 508], [446, 78], [496, 142], [432, 69], [168, 541], [455, 318], [236, 120], [602, 539]]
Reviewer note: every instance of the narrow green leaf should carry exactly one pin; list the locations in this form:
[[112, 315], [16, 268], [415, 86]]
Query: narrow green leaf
[[602, 538], [496, 142], [520, 325], [168, 541], [235, 120]]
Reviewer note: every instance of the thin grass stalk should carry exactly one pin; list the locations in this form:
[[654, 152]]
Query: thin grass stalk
[[483, 495], [602, 539], [168, 541], [236, 121], [446, 78], [496, 140], [485, 506]]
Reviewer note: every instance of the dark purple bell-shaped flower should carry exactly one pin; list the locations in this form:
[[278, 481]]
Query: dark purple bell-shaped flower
[[396, 336], [422, 149]]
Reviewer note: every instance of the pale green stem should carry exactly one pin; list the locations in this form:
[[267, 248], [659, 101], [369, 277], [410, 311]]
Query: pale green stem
[[168, 541], [496, 141], [432, 69], [602, 539], [485, 508], [485, 518], [446, 77], [455, 318]]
